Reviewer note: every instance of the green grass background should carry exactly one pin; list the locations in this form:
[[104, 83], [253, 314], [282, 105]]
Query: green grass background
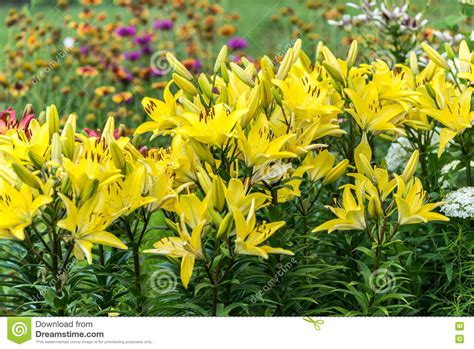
[[264, 36]]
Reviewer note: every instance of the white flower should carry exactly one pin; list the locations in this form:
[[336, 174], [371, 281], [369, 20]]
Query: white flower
[[398, 154], [459, 203], [446, 169], [69, 42], [449, 174]]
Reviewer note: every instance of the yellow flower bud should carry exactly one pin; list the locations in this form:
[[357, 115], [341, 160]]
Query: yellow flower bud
[[318, 54], [334, 73], [26, 176], [267, 68], [366, 167], [266, 93], [242, 74], [56, 147], [205, 85], [414, 63], [215, 216], [305, 60], [375, 207], [185, 85], [352, 54], [285, 65], [37, 160], [297, 50], [410, 168], [362, 148], [117, 156], [435, 56], [336, 172], [332, 65], [68, 134], [52, 118], [449, 51], [172, 225], [178, 67], [225, 226], [204, 180], [225, 73], [217, 194], [221, 57], [253, 104], [190, 106]]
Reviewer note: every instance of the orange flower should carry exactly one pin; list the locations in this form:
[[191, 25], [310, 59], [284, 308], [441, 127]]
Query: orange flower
[[332, 14], [159, 85], [104, 91], [18, 89], [31, 41], [122, 97], [226, 30], [91, 2], [101, 16], [3, 80], [86, 14], [123, 2], [87, 71]]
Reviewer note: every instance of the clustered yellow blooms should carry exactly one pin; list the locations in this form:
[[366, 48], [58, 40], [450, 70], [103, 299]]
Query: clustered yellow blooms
[[241, 141], [378, 196], [247, 136], [90, 182]]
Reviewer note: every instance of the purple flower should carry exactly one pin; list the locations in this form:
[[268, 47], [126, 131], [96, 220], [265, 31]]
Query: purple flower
[[197, 65], [84, 50], [143, 40], [132, 55], [237, 43], [157, 72], [146, 50], [163, 24], [129, 30]]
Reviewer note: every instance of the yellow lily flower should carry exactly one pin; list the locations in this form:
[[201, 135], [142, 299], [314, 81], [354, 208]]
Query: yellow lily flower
[[320, 166], [87, 224], [260, 145], [17, 209], [192, 209], [250, 235], [212, 128], [182, 158], [90, 167], [291, 189], [371, 114], [185, 246], [306, 97], [456, 116], [22, 147], [306, 131], [160, 182], [350, 216], [164, 114], [410, 199], [236, 195], [126, 194]]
